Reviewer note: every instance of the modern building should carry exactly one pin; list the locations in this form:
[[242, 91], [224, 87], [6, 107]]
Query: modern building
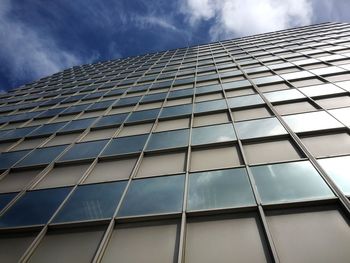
[[234, 151]]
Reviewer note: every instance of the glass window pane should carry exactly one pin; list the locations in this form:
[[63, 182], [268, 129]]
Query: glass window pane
[[219, 189], [160, 164], [210, 106], [10, 158], [77, 125], [234, 238], [311, 121], [5, 199], [143, 115], [170, 139], [154, 196], [295, 107], [215, 158], [85, 150], [259, 128], [342, 115], [213, 134], [94, 201], [283, 95], [334, 102], [249, 114], [338, 169], [63, 176], [325, 231], [73, 245], [319, 90], [34, 208], [181, 110], [111, 120], [245, 101], [42, 156], [154, 242], [287, 182], [125, 145], [111, 170]]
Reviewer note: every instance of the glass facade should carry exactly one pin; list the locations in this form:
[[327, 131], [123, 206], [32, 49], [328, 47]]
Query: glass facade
[[231, 151]]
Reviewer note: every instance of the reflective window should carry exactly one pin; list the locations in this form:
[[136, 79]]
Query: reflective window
[[143, 115], [5, 199], [245, 101], [42, 156], [283, 95], [342, 115], [334, 102], [249, 114], [77, 125], [111, 120], [319, 90], [295, 107], [181, 110], [85, 150], [94, 201], [48, 129], [287, 182], [213, 134], [259, 128], [34, 208], [311, 121], [170, 139], [125, 145], [154, 196], [10, 158], [219, 189], [210, 106]]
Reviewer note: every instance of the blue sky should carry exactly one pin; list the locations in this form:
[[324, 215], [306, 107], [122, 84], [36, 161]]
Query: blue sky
[[40, 37]]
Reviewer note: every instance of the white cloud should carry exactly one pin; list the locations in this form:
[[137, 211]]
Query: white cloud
[[27, 53], [245, 17]]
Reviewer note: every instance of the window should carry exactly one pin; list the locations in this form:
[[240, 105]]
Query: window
[[334, 102], [154, 242], [8, 159], [13, 245], [287, 182], [274, 87], [93, 201], [215, 158], [60, 139], [295, 107], [5, 199], [85, 150], [327, 144], [143, 115], [111, 120], [248, 114], [219, 189], [111, 170], [154, 196], [34, 208], [245, 101], [213, 134], [283, 95], [342, 115], [206, 97], [148, 106], [68, 245], [99, 134], [78, 125], [306, 82], [325, 231], [160, 164], [312, 121], [270, 151], [181, 110], [129, 130], [63, 176], [175, 124], [210, 106], [125, 145], [259, 128], [48, 129], [239, 92], [169, 139], [319, 90], [42, 156], [224, 238], [17, 180]]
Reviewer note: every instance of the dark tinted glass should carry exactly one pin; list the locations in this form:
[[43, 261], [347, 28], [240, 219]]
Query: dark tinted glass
[[5, 199], [153, 196], [42, 156], [210, 106], [93, 201], [85, 150], [10, 158], [34, 207], [171, 139], [77, 125], [143, 115], [213, 134], [125, 145], [111, 120], [47, 129], [181, 110]]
